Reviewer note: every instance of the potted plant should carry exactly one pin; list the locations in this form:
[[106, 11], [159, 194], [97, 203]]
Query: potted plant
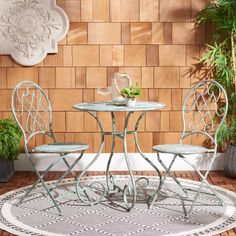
[[131, 93], [219, 57], [10, 136]]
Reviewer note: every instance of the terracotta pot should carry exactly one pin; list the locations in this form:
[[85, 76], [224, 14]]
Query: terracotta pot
[[230, 161]]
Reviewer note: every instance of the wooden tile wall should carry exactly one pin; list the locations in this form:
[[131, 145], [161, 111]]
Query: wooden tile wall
[[155, 41]]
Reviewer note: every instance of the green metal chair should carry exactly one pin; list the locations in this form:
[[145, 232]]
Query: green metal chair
[[201, 116], [32, 111]]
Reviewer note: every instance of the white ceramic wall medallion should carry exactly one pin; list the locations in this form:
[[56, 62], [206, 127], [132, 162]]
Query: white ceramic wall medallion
[[29, 29]]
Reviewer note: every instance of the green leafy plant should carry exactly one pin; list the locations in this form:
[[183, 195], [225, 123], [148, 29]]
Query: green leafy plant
[[219, 57], [10, 136], [131, 92]]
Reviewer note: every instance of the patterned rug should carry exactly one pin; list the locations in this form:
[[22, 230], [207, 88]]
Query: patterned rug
[[36, 216]]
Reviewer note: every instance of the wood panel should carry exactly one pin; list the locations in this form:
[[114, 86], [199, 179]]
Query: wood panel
[[155, 41]]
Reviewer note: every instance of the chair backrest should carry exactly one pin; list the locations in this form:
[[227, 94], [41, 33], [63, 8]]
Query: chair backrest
[[32, 111], [204, 110]]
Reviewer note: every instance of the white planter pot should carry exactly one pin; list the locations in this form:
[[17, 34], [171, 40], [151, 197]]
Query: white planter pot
[[131, 102]]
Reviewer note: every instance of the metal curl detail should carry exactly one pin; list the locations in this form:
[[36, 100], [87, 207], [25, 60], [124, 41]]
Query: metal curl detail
[[128, 191], [145, 184], [88, 198]]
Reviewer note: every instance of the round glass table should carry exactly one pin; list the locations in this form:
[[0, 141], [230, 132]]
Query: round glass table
[[129, 191]]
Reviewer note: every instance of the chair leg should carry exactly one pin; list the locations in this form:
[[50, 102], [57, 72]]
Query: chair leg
[[168, 172], [28, 192], [70, 167], [155, 195], [167, 169], [40, 179], [187, 213], [204, 181], [204, 178], [214, 192], [51, 197]]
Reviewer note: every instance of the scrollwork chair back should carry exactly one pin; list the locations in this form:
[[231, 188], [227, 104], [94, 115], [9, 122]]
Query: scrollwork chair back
[[204, 110], [32, 110]]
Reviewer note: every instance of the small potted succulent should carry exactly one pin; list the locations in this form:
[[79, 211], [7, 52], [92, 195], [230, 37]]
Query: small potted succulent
[[131, 93], [10, 136]]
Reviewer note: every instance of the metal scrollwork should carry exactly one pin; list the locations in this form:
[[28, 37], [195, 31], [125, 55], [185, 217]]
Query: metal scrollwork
[[142, 182], [91, 194], [129, 192], [198, 103], [32, 110]]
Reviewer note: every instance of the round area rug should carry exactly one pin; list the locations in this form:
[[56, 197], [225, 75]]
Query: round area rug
[[37, 216]]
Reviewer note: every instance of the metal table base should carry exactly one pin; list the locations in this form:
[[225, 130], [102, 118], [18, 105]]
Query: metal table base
[[129, 190]]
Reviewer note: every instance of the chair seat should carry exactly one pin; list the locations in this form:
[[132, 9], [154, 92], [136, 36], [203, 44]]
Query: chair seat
[[61, 148], [180, 149]]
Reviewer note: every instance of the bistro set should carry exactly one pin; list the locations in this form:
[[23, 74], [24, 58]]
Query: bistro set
[[33, 112]]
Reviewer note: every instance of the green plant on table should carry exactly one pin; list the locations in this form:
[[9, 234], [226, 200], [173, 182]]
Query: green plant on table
[[220, 58], [10, 136], [131, 92]]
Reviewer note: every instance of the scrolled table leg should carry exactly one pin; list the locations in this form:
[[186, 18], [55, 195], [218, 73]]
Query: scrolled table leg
[[110, 179], [129, 190], [142, 154], [96, 188]]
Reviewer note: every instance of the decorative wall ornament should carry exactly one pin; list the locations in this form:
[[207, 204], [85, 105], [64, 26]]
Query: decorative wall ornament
[[29, 29]]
